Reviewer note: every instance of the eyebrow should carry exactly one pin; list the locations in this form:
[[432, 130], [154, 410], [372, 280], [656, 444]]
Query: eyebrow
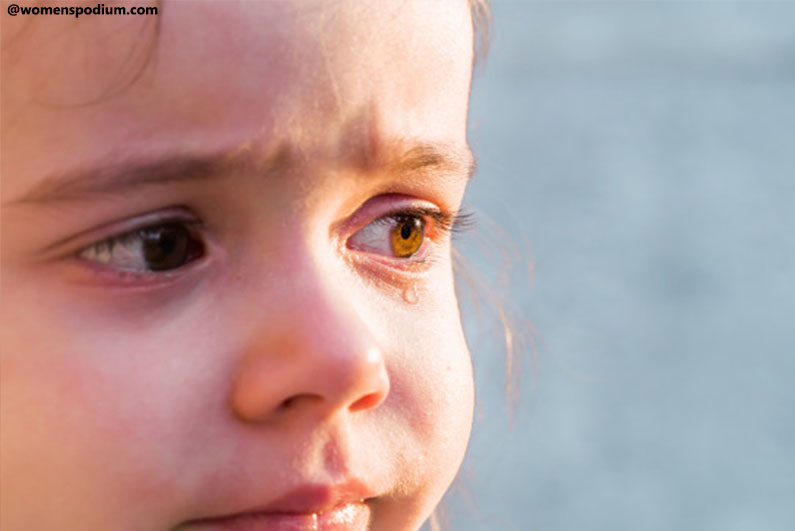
[[118, 179]]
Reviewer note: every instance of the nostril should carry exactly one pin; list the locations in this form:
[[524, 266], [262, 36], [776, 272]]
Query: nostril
[[287, 404], [291, 403], [368, 401], [294, 401]]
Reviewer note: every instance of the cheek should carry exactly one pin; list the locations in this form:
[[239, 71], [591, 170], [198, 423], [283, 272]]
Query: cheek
[[432, 383], [88, 419], [439, 378], [63, 440], [126, 408]]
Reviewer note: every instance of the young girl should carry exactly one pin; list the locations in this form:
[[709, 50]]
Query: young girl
[[227, 290]]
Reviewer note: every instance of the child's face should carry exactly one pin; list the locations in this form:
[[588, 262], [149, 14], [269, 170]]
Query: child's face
[[283, 337]]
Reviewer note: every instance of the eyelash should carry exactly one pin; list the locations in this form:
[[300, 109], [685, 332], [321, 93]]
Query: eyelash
[[446, 223], [443, 225]]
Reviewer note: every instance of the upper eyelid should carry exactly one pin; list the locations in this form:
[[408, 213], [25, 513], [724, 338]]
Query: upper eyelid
[[120, 236], [444, 221], [74, 244]]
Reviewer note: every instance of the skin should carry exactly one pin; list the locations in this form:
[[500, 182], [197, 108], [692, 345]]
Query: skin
[[294, 350]]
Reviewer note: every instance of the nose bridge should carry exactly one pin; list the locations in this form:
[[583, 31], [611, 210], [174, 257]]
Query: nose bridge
[[312, 351], [320, 312]]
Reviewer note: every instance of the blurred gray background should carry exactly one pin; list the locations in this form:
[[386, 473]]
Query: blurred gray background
[[642, 154]]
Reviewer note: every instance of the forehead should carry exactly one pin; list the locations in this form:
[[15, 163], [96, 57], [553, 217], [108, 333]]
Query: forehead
[[204, 76]]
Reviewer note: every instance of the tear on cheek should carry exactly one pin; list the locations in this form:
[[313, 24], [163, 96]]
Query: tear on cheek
[[411, 294]]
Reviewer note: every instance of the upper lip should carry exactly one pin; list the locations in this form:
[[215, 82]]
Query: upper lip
[[306, 499], [317, 498]]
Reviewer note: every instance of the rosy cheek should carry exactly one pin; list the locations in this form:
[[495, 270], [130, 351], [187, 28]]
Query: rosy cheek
[[59, 426], [89, 408], [432, 376]]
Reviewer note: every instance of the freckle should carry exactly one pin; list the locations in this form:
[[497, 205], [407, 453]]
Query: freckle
[[410, 294]]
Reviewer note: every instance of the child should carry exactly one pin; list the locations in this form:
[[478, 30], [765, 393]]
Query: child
[[227, 290]]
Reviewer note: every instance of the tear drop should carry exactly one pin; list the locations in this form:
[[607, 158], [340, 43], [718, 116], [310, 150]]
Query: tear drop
[[410, 294]]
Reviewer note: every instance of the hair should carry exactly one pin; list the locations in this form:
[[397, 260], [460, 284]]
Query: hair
[[142, 54], [481, 24]]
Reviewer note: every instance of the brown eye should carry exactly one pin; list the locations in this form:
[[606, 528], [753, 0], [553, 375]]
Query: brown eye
[[156, 248], [407, 236], [402, 235], [167, 247]]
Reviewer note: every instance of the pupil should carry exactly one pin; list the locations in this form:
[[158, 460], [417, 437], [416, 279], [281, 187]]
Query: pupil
[[406, 230], [165, 247]]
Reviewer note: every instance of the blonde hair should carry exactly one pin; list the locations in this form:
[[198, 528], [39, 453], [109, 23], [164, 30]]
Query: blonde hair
[[481, 24]]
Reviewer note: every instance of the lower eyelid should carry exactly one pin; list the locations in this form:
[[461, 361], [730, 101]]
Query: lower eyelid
[[415, 264], [391, 272], [96, 274]]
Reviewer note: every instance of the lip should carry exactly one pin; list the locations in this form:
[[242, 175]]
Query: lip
[[339, 507]]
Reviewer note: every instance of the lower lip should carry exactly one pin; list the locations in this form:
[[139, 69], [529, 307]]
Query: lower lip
[[348, 517]]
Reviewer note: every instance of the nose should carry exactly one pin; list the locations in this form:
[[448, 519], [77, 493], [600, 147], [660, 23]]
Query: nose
[[312, 353]]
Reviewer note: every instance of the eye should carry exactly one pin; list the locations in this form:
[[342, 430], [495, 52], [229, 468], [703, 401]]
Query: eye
[[406, 236], [156, 248], [397, 235]]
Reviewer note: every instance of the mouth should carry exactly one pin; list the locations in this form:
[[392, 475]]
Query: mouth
[[310, 508], [352, 516]]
